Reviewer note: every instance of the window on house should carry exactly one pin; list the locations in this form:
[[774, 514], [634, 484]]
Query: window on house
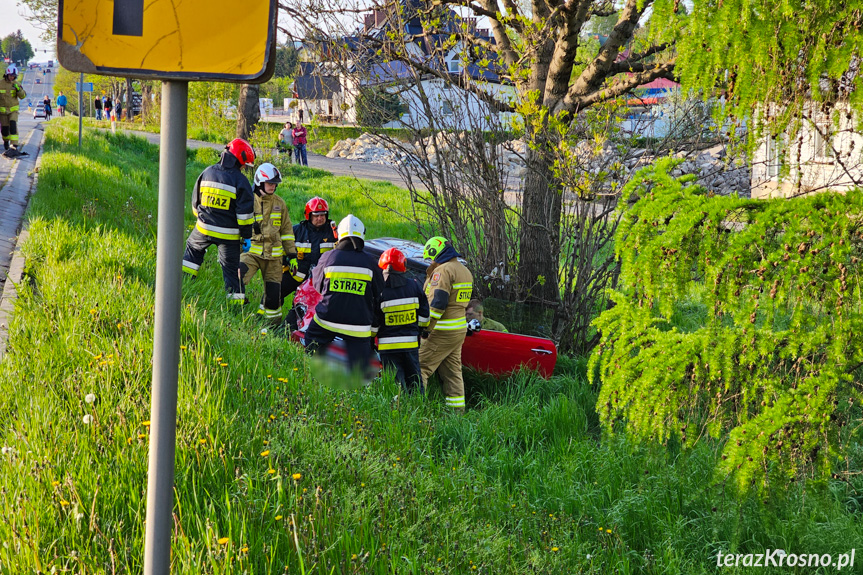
[[775, 151], [454, 66], [446, 108], [823, 143]]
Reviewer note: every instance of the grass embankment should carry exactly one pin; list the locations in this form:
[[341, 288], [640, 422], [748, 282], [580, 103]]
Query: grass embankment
[[276, 473]]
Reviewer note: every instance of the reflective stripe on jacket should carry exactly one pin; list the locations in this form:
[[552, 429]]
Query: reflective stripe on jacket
[[10, 93], [403, 310], [276, 237], [223, 201], [448, 287], [350, 284], [311, 243]]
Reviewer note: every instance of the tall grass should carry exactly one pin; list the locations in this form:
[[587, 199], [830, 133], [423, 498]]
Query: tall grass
[[276, 473]]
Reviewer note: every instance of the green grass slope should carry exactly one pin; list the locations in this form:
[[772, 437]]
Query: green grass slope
[[276, 473]]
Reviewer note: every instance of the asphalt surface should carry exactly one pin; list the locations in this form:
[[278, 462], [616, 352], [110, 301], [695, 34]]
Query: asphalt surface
[[336, 166]]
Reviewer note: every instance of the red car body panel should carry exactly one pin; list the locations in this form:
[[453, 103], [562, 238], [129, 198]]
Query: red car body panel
[[492, 352], [501, 353]]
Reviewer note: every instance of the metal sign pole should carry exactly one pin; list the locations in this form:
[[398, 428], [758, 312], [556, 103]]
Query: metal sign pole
[[80, 106], [166, 332]]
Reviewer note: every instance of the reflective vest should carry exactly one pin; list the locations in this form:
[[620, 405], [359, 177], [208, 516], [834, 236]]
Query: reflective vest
[[275, 237], [311, 243], [10, 93], [350, 284], [223, 201], [448, 287], [403, 310]]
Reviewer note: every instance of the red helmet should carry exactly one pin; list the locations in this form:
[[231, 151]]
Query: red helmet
[[392, 257], [317, 204], [243, 151]]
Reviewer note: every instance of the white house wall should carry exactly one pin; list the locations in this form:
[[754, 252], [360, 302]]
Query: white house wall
[[814, 171]]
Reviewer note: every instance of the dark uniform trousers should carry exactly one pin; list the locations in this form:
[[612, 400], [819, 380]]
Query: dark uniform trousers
[[359, 349], [229, 259], [406, 364]]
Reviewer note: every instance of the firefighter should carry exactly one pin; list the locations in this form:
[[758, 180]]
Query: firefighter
[[224, 205], [350, 284], [10, 92], [448, 287], [403, 311], [314, 236], [272, 240]]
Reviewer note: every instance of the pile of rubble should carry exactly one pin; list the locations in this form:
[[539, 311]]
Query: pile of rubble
[[716, 171]]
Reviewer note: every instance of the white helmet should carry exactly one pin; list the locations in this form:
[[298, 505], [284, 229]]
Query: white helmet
[[11, 70], [267, 173], [351, 227]]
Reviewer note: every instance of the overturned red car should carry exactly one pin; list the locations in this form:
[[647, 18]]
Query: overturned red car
[[494, 352]]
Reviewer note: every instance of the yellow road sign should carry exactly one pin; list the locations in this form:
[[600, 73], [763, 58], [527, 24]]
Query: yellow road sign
[[228, 40]]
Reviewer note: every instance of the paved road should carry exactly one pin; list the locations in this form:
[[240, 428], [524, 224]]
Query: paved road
[[336, 166], [26, 123]]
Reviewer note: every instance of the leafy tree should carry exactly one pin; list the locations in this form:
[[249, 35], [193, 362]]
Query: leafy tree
[[42, 14], [376, 106], [16, 47], [287, 61], [740, 320]]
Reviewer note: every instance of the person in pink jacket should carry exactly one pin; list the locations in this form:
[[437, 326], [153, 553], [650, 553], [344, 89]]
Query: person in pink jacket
[[299, 134]]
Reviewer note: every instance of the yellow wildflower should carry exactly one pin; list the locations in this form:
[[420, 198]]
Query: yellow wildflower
[[265, 453], [55, 483], [223, 541], [142, 436], [202, 441], [146, 423], [297, 476], [555, 549], [64, 503], [278, 517], [245, 549], [223, 364], [271, 471]]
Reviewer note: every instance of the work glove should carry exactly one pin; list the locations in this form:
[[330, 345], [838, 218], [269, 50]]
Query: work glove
[[246, 245], [292, 265], [473, 326], [425, 333]]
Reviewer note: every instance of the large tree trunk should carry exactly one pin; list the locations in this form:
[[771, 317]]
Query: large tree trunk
[[248, 111], [539, 241], [129, 92]]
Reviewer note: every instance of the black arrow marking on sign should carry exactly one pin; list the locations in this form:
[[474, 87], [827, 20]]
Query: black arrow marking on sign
[[128, 17]]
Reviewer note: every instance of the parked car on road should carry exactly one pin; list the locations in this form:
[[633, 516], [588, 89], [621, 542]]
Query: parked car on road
[[38, 80], [493, 352], [39, 112]]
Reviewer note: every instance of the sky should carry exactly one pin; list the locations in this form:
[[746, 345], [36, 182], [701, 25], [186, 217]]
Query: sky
[[11, 19]]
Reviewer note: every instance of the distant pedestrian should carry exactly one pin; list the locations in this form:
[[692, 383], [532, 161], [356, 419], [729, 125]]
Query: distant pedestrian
[[97, 104], [286, 141], [46, 103], [299, 134], [109, 107], [61, 104]]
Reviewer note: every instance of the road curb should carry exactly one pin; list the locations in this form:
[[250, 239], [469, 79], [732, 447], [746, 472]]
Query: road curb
[[16, 267]]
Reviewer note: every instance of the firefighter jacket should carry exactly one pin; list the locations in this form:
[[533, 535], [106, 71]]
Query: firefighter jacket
[[448, 287], [223, 201], [10, 93], [350, 283], [403, 310], [273, 234], [311, 244]]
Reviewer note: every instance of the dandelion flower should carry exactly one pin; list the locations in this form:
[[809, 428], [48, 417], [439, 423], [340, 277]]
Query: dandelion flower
[[223, 541], [119, 326], [55, 483], [223, 364], [354, 557], [245, 549], [146, 423], [608, 530], [218, 359], [142, 436], [362, 484], [182, 348], [87, 419], [93, 311], [278, 517], [64, 503], [271, 471], [265, 453], [202, 441], [297, 476], [90, 398], [555, 549]]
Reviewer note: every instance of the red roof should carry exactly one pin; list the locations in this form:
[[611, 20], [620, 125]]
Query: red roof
[[659, 84]]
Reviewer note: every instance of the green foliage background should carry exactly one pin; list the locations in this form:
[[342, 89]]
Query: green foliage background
[[739, 320]]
